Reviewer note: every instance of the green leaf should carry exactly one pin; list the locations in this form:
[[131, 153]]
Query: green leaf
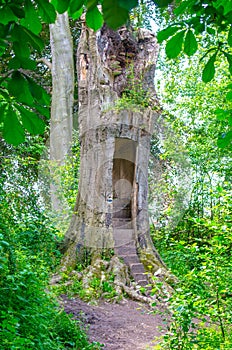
[[60, 6], [174, 45], [21, 50], [36, 42], [75, 6], [77, 14], [31, 20], [229, 60], [128, 4], [19, 88], [27, 63], [39, 93], [209, 69], [162, 3], [17, 10], [21, 62], [225, 139], [229, 96], [190, 43], [210, 30], [42, 110], [227, 5], [31, 121], [13, 131], [94, 18], [230, 36], [2, 111], [114, 15], [14, 63], [222, 114], [91, 4], [182, 6], [46, 11], [7, 15], [166, 33], [21, 37], [3, 46]]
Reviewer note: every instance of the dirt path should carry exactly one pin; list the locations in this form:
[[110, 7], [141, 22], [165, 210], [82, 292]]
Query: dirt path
[[127, 325]]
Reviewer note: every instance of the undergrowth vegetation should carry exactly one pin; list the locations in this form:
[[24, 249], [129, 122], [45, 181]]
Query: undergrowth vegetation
[[87, 285], [30, 317], [198, 251]]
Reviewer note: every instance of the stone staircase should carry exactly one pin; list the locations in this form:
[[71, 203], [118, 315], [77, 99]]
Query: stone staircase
[[125, 241], [125, 248]]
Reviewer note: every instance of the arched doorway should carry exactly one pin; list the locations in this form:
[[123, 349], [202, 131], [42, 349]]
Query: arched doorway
[[124, 164]]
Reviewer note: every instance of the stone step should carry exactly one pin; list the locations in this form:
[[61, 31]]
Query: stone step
[[122, 250], [136, 268], [139, 277], [122, 214], [123, 236], [122, 223], [142, 283], [125, 248], [122, 206], [130, 259]]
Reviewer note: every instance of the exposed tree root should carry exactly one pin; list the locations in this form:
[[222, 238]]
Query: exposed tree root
[[117, 273]]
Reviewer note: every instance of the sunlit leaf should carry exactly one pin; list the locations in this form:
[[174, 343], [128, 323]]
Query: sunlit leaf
[[222, 114], [227, 5], [166, 33], [46, 11], [31, 20], [94, 18], [13, 131], [60, 6], [190, 43], [209, 69], [224, 139], [174, 45], [182, 6], [229, 96], [77, 14]]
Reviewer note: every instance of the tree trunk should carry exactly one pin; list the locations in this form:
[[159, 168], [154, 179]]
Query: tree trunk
[[111, 211], [62, 102]]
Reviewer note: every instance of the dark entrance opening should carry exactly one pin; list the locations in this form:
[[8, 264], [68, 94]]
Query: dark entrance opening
[[123, 181]]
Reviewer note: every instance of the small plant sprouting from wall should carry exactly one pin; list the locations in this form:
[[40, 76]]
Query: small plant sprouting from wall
[[135, 96]]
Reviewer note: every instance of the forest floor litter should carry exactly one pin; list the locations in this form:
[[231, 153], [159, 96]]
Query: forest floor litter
[[125, 325]]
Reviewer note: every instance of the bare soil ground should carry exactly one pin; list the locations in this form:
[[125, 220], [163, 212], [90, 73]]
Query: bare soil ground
[[127, 325]]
